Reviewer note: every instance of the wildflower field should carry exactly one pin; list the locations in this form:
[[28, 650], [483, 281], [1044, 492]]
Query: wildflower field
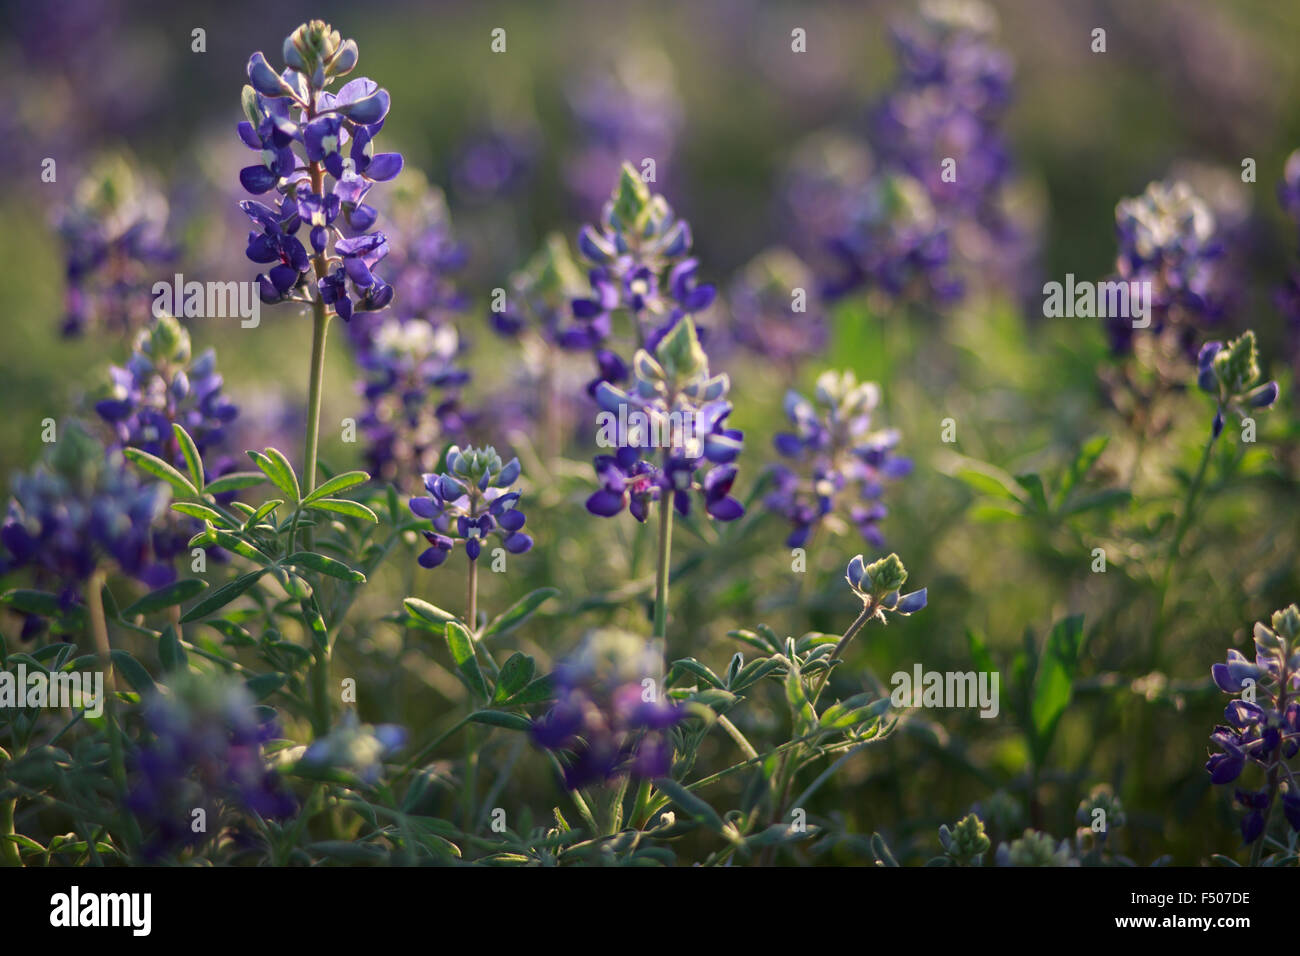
[[736, 433]]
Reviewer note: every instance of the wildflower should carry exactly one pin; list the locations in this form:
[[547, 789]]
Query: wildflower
[[966, 843], [1034, 849], [842, 465], [163, 385], [640, 259], [1231, 374], [469, 501], [300, 130], [78, 508], [411, 388], [878, 585], [205, 750], [686, 406], [356, 748], [115, 236], [1168, 239], [631, 109], [1262, 726], [766, 316], [607, 714]]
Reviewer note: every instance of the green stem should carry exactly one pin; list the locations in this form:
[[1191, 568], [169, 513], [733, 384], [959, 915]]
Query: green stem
[[1180, 532], [665, 558], [9, 855], [320, 326], [471, 599], [858, 624]]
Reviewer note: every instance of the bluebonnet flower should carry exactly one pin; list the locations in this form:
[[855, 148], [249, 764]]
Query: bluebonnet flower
[[411, 389], [469, 501], [605, 716], [115, 236], [1287, 297], [765, 316], [952, 89], [354, 747], [205, 750], [494, 161], [303, 133], [840, 465], [640, 256], [539, 305], [631, 111], [675, 398], [76, 510], [966, 842], [894, 241], [1262, 726], [879, 585], [162, 385], [1231, 374], [1035, 849], [1168, 238]]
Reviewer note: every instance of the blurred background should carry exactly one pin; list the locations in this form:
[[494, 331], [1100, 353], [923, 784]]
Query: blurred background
[[528, 142]]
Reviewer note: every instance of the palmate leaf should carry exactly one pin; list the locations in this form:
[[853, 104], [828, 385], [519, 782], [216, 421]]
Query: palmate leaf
[[342, 482], [275, 466], [516, 672], [426, 616], [235, 481]]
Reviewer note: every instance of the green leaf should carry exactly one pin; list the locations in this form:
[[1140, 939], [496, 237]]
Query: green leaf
[[203, 512], [276, 467], [498, 718], [32, 602], [235, 481], [1033, 485], [752, 672], [160, 469], [170, 652], [353, 509], [264, 685], [693, 666], [266, 508], [1110, 498], [427, 616], [462, 652], [543, 688], [169, 596], [191, 452], [241, 547], [1081, 465], [518, 612], [516, 672], [801, 710], [1054, 683], [349, 479], [989, 480], [215, 600], [319, 562], [690, 803], [133, 671]]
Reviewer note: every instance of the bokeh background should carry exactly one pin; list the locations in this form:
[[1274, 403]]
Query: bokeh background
[[1186, 88]]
